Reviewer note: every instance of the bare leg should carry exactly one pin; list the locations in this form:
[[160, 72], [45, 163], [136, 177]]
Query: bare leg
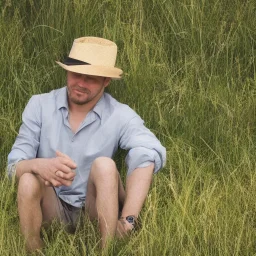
[[36, 203], [104, 190], [137, 187]]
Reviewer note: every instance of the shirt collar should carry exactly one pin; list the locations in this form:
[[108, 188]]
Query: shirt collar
[[61, 99], [100, 106], [62, 102]]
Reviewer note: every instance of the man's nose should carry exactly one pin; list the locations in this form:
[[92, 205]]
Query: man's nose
[[83, 80]]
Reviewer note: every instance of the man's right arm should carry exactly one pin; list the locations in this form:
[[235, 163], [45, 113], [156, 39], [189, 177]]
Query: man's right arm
[[28, 139], [24, 166], [22, 158], [55, 171]]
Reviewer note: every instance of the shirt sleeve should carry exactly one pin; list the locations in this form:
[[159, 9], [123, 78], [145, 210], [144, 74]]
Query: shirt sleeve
[[144, 148], [27, 141]]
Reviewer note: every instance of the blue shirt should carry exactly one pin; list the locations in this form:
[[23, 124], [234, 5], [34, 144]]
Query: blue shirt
[[45, 128]]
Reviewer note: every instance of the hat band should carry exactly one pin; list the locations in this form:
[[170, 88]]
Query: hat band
[[73, 62]]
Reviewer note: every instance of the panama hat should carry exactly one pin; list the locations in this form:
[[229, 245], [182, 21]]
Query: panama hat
[[92, 56]]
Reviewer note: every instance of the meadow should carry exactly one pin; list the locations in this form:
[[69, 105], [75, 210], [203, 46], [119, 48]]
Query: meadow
[[190, 72]]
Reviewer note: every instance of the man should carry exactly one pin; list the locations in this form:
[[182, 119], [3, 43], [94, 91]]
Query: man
[[63, 154]]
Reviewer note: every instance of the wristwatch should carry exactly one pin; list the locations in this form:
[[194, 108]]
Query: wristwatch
[[130, 219]]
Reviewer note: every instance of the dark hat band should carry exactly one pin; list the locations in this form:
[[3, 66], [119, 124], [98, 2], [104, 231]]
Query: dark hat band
[[73, 62]]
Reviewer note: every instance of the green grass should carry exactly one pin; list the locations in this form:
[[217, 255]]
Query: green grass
[[190, 73]]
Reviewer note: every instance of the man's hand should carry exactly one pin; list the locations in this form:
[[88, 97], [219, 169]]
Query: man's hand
[[56, 171], [123, 228]]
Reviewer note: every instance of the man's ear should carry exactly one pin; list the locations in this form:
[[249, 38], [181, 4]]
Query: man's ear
[[106, 81]]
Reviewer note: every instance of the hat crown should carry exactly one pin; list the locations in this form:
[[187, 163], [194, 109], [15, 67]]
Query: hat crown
[[99, 53], [95, 51]]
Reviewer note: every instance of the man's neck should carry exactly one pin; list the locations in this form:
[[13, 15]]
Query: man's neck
[[77, 113]]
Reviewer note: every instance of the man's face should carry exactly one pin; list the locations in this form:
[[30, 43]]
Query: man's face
[[83, 89]]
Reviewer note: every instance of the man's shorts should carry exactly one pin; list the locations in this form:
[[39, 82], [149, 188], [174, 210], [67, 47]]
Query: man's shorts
[[69, 215]]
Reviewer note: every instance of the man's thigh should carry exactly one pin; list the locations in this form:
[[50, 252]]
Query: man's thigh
[[50, 205], [32, 188], [54, 208], [90, 202]]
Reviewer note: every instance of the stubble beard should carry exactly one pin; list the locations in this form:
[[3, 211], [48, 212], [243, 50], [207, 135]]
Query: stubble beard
[[76, 100]]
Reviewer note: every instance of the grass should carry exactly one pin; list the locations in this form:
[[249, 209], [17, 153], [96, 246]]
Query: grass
[[190, 73]]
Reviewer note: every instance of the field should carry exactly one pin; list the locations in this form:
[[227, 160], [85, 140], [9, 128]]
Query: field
[[190, 72]]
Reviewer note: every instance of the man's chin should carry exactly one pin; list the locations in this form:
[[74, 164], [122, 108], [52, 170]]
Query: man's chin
[[79, 102]]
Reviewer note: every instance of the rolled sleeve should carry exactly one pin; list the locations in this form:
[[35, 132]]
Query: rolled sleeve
[[11, 170], [27, 141], [142, 145]]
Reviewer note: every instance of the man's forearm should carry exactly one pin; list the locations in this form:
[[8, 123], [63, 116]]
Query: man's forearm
[[56, 171], [25, 166], [137, 187]]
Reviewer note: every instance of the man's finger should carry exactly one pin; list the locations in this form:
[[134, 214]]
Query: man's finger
[[61, 182], [57, 182], [47, 183], [70, 162], [65, 166], [58, 153], [68, 176]]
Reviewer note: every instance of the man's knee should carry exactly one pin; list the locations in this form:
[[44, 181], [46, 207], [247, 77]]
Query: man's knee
[[104, 166], [29, 186]]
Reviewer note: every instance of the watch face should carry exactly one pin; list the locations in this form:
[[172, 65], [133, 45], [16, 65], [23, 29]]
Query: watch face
[[130, 219]]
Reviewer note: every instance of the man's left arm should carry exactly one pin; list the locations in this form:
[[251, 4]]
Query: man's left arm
[[137, 187], [145, 156]]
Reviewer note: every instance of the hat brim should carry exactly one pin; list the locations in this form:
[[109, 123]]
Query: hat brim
[[93, 70]]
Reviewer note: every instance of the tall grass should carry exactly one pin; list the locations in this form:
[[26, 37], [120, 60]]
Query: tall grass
[[190, 73]]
